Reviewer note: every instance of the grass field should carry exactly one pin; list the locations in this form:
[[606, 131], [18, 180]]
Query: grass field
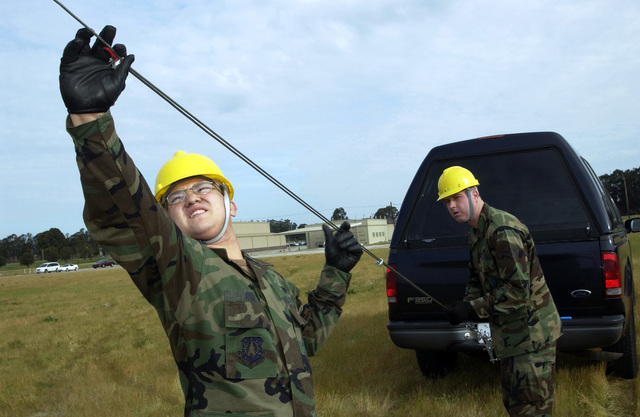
[[86, 343]]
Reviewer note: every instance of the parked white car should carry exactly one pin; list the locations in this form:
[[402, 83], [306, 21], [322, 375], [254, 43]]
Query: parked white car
[[48, 267], [68, 267]]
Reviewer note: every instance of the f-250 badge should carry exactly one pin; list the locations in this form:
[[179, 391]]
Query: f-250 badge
[[419, 300]]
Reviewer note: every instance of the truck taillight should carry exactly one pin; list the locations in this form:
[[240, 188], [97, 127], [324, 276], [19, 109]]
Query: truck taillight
[[611, 273], [392, 291]]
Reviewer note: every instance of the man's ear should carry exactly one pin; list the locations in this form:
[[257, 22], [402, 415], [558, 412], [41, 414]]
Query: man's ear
[[232, 209]]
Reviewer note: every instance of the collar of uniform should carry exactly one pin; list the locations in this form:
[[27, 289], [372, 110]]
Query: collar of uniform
[[482, 219], [258, 267], [221, 252]]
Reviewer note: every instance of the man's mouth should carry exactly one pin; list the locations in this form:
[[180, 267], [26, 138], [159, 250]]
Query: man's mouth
[[195, 213]]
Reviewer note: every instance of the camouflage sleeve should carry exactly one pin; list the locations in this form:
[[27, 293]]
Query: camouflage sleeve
[[120, 210], [474, 287], [324, 307], [509, 278]]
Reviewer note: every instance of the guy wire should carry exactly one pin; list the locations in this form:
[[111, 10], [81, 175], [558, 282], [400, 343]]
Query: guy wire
[[232, 149]]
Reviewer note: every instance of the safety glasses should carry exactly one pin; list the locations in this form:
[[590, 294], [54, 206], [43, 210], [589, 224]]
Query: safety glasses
[[201, 188]]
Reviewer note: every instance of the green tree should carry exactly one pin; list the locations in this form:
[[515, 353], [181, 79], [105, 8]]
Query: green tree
[[339, 214], [13, 246], [83, 244], [51, 238], [66, 253], [277, 226], [624, 188], [388, 212], [51, 254], [3, 261], [27, 259]]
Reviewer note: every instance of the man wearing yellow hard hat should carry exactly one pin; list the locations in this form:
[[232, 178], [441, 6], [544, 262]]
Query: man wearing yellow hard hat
[[506, 286], [239, 333], [200, 175]]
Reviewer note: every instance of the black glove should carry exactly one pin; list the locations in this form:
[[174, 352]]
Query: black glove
[[88, 82], [341, 249], [460, 311]]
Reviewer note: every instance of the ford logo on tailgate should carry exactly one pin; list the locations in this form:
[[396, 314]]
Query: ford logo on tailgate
[[582, 293]]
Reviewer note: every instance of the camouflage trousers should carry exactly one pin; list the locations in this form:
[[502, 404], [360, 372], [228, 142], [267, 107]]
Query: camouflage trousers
[[528, 381]]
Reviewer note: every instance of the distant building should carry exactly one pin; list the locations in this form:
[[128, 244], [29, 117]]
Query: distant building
[[256, 236], [367, 231]]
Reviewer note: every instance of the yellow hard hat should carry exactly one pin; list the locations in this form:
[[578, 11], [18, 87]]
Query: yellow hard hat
[[185, 165], [453, 180]]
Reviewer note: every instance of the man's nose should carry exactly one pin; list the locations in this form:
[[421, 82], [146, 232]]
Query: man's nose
[[191, 196]]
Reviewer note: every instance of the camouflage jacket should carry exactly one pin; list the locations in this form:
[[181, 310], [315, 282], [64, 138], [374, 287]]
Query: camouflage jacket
[[507, 285], [241, 343]]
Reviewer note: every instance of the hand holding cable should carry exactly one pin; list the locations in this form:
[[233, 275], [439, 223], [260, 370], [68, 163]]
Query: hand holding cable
[[88, 81], [341, 249], [460, 311]]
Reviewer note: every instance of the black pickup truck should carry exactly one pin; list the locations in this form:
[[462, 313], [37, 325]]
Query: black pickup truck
[[580, 238]]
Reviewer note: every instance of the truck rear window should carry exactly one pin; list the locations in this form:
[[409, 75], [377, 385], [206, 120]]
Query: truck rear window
[[533, 185]]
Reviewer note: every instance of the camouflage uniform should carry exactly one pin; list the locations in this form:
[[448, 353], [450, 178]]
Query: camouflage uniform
[[241, 340], [507, 285]]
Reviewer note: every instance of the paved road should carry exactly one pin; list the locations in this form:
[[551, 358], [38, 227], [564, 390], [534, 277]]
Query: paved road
[[293, 250]]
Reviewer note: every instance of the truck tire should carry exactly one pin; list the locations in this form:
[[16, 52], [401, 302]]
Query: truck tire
[[627, 366], [436, 364]]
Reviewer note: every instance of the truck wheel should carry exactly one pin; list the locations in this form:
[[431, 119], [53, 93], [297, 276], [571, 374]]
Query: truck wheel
[[627, 366], [436, 364]]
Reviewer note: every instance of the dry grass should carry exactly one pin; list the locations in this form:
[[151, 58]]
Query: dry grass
[[86, 343], [82, 343]]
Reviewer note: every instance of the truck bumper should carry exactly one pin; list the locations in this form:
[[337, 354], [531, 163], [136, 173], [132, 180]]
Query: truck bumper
[[591, 332], [434, 336], [578, 334]]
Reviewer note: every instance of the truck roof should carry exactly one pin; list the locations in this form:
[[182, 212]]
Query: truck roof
[[578, 169]]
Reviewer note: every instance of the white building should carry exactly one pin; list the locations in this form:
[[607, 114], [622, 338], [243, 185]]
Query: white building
[[367, 231], [256, 236]]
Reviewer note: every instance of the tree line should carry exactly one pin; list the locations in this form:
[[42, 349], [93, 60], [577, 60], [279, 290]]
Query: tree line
[[624, 188], [51, 245], [388, 212]]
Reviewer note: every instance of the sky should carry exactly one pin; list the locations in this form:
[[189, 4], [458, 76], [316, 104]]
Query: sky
[[340, 101]]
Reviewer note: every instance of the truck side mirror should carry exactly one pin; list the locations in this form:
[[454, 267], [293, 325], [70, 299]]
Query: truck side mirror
[[632, 225]]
